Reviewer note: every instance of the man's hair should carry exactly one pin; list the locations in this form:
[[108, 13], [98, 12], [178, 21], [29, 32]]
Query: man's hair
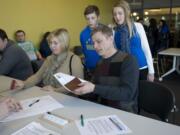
[[3, 34], [19, 31], [105, 30], [91, 9]]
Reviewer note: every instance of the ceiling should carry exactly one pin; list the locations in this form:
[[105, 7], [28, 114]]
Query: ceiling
[[162, 11]]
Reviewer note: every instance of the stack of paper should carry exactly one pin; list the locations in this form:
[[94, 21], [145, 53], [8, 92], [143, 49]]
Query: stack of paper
[[34, 128], [34, 106], [105, 125], [69, 82]]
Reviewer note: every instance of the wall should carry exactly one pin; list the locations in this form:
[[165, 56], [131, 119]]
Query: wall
[[38, 16]]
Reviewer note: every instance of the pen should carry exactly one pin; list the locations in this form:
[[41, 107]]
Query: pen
[[34, 102], [59, 116], [115, 123], [82, 120]]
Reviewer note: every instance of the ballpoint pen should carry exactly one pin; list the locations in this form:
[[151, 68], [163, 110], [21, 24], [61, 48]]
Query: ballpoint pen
[[82, 120], [115, 123], [34, 102], [68, 119]]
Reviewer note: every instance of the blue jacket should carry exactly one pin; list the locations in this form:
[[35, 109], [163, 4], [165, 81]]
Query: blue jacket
[[130, 45], [91, 56]]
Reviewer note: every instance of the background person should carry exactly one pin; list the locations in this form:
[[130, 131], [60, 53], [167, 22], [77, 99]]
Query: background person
[[91, 14], [14, 62], [131, 38], [27, 46], [44, 47]]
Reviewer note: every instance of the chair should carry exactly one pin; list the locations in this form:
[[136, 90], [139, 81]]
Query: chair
[[156, 99], [36, 64], [77, 50]]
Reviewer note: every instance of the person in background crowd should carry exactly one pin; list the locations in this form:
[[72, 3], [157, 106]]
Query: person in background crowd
[[163, 35], [153, 36], [33, 54], [140, 20], [44, 47], [27, 46]]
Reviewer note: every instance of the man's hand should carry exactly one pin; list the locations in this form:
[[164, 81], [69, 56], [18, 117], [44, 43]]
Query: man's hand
[[84, 88]]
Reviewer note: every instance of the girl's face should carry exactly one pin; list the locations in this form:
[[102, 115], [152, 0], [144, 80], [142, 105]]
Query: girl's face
[[118, 14], [55, 46]]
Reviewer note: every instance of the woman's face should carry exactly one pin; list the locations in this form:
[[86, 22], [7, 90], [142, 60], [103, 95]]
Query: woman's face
[[55, 45], [118, 14]]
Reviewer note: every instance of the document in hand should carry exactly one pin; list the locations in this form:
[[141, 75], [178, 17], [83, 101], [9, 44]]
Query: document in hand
[[34, 106], [69, 82], [104, 125], [34, 128]]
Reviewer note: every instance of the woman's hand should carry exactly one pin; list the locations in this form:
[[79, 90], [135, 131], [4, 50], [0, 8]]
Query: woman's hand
[[48, 88], [150, 77], [18, 85]]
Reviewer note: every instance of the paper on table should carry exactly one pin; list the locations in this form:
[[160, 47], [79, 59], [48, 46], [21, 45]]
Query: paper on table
[[105, 125], [45, 104], [67, 81], [34, 128]]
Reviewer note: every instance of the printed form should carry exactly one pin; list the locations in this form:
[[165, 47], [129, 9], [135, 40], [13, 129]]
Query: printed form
[[34, 106], [104, 125], [34, 128]]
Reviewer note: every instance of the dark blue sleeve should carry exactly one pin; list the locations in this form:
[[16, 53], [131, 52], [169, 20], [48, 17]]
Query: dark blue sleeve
[[8, 61]]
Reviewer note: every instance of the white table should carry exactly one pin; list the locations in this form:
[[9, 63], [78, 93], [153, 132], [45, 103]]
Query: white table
[[73, 107], [175, 52]]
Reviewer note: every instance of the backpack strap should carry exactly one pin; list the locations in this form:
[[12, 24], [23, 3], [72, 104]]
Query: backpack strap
[[70, 64]]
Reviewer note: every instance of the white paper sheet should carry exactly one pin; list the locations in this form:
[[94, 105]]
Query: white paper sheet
[[45, 104], [105, 125], [63, 79], [34, 128]]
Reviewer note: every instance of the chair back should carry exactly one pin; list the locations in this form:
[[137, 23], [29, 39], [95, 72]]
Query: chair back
[[78, 50], [156, 99]]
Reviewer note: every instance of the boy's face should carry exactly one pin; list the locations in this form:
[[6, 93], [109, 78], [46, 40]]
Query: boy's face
[[92, 20]]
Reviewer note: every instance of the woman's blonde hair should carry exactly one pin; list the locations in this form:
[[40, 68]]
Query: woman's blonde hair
[[63, 36], [127, 13]]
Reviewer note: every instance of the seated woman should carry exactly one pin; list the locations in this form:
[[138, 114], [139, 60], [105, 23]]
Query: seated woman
[[61, 60]]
